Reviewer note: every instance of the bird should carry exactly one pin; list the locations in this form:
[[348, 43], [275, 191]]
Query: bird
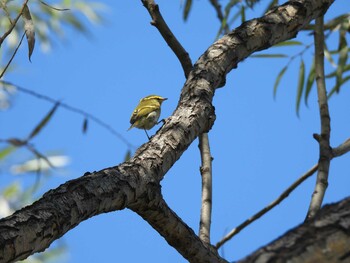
[[146, 114]]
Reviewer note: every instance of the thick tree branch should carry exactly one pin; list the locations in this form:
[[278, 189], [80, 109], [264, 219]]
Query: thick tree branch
[[35, 227], [156, 212], [182, 55], [326, 238], [325, 149]]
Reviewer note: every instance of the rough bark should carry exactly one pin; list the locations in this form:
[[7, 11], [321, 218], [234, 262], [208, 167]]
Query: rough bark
[[135, 184], [326, 238]]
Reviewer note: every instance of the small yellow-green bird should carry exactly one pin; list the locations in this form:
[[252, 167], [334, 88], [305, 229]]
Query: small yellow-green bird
[[146, 113]]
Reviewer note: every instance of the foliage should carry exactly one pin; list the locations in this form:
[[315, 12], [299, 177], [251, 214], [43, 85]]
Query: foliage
[[42, 24], [338, 58]]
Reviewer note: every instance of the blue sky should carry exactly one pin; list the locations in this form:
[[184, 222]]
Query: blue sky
[[259, 145]]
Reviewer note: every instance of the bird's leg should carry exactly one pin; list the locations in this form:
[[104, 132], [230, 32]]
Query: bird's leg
[[147, 134], [162, 120]]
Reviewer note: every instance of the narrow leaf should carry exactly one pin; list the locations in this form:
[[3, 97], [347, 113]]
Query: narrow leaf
[[187, 9], [300, 85], [6, 151], [85, 125], [334, 73], [343, 57], [54, 8], [310, 81], [127, 156], [12, 190], [269, 56], [29, 30], [278, 79], [328, 56], [242, 14], [335, 88], [288, 43], [43, 122]]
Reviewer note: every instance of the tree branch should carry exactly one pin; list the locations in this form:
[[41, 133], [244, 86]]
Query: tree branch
[[169, 37], [263, 211], [35, 227], [71, 108], [186, 63], [13, 24], [325, 149], [206, 173], [325, 238], [12, 57], [340, 150], [219, 14], [156, 212]]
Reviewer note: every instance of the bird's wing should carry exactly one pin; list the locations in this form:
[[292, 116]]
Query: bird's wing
[[143, 111]]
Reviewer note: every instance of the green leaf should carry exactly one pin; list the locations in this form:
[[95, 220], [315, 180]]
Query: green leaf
[[12, 190], [328, 55], [242, 14], [334, 73], [29, 29], [343, 57], [335, 22], [269, 56], [6, 151], [278, 79], [335, 88], [43, 122], [300, 85], [187, 9], [288, 43], [127, 156], [310, 81]]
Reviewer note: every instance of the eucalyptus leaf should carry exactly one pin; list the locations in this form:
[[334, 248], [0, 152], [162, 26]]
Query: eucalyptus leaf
[[127, 156], [29, 30], [310, 81], [6, 151], [269, 56], [300, 87], [288, 43], [343, 57], [43, 122], [187, 9], [278, 79]]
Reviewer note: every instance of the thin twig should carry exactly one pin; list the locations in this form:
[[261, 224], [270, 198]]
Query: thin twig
[[14, 22], [338, 151], [73, 109], [256, 216], [168, 36], [219, 13], [13, 55], [325, 149], [206, 173]]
